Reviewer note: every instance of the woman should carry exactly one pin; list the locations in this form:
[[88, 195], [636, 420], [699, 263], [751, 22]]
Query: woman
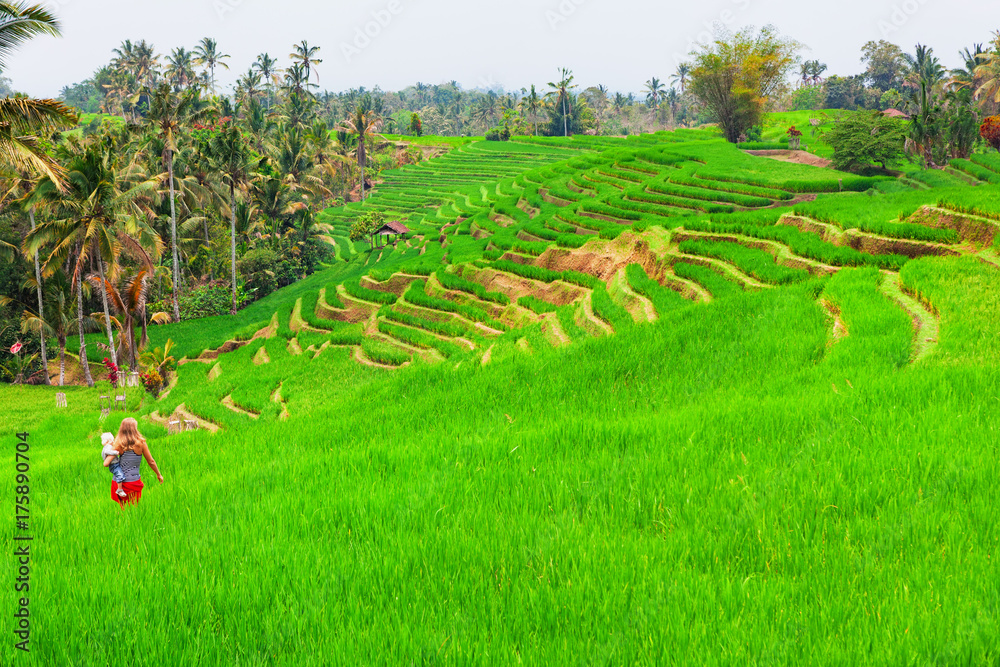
[[133, 449]]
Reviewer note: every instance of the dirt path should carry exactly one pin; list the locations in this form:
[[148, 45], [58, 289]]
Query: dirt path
[[926, 327], [798, 157], [553, 331], [594, 322], [276, 397], [639, 307], [839, 329]]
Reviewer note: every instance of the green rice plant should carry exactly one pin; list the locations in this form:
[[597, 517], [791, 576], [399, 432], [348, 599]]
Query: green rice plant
[[691, 179], [420, 339], [331, 296], [875, 214], [609, 311], [536, 305], [718, 286], [581, 279], [751, 261], [417, 295], [976, 170], [529, 271], [640, 195], [603, 209], [983, 201], [664, 299], [568, 323], [383, 353], [451, 329], [453, 282], [804, 244], [355, 289]]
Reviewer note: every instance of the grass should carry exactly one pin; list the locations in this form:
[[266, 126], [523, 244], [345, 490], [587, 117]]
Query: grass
[[731, 482]]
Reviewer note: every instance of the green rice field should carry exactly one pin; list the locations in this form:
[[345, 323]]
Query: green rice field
[[647, 400]]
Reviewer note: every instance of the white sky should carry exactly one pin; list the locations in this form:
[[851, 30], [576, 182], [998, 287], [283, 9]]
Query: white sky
[[482, 43]]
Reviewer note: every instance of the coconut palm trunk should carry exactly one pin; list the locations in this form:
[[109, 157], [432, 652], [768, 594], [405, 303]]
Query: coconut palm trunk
[[84, 364], [62, 359], [41, 305], [565, 119], [107, 313], [173, 235], [232, 241]]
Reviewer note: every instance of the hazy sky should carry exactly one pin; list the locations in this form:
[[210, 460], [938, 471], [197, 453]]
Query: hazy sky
[[483, 43]]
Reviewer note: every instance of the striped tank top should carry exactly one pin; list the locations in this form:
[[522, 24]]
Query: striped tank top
[[131, 463]]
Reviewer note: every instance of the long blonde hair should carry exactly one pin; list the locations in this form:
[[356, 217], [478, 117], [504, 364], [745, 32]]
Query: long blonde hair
[[129, 436]]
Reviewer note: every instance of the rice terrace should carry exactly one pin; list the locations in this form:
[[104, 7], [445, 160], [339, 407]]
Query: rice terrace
[[707, 374]]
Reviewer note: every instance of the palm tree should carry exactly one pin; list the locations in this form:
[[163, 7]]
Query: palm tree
[[101, 208], [232, 159], [268, 68], [56, 319], [562, 88], [306, 56], [21, 118], [680, 76], [180, 69], [207, 54], [364, 124], [129, 304], [654, 92], [965, 76], [816, 69], [247, 87], [804, 72], [532, 103], [169, 113], [988, 72]]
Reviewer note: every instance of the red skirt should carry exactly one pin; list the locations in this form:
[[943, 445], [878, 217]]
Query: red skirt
[[133, 489]]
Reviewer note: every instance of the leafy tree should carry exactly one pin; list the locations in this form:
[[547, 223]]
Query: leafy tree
[[416, 128], [866, 138], [990, 131], [885, 64], [736, 76], [845, 92], [655, 91], [366, 225]]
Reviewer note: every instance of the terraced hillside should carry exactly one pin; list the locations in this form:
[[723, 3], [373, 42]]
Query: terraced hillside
[[644, 400]]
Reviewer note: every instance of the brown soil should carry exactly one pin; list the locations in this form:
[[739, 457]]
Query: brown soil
[[553, 331], [558, 293], [603, 259], [353, 314], [882, 245], [839, 329], [397, 284], [294, 348], [971, 229], [214, 374], [226, 348], [261, 357], [798, 157]]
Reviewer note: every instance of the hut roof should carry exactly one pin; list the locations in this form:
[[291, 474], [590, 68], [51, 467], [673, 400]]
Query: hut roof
[[393, 227], [894, 113]]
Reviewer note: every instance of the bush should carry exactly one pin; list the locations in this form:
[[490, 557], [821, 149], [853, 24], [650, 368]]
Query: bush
[[152, 382], [208, 300], [864, 139]]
